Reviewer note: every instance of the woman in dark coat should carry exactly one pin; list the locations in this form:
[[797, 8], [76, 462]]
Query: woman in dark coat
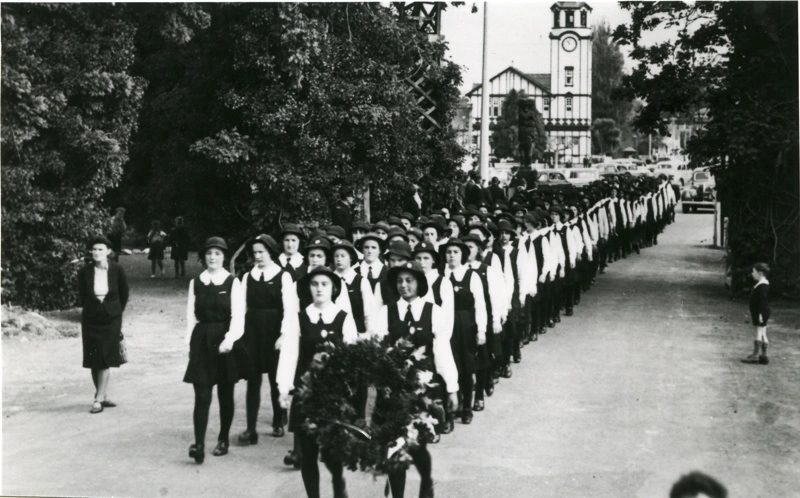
[[103, 290]]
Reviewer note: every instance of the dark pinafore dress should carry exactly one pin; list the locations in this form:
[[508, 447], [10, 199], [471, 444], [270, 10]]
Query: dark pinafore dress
[[313, 339], [464, 341], [356, 302], [262, 323], [212, 308]]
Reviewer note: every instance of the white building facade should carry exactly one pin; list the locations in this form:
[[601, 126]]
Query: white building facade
[[564, 96]]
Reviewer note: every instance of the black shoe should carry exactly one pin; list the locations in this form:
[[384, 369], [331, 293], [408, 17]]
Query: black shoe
[[292, 459], [248, 437], [221, 449], [578, 301], [526, 341], [535, 337], [448, 426], [506, 373], [517, 357], [542, 330], [197, 451], [557, 319], [569, 312], [466, 419], [489, 390], [496, 374], [478, 405], [277, 431], [551, 323]]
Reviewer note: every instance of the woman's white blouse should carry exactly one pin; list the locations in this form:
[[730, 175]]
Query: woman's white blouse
[[100, 283]]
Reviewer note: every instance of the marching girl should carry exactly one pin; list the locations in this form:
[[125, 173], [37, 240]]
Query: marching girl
[[493, 298], [291, 258], [517, 278], [421, 323], [469, 318], [372, 268], [320, 323], [270, 296], [215, 321]]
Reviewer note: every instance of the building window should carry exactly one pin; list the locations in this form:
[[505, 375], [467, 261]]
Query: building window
[[556, 19], [546, 104], [583, 18], [570, 19], [474, 139], [568, 76], [495, 111], [569, 104]]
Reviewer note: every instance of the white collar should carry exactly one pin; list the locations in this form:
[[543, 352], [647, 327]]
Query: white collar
[[432, 274], [348, 275], [328, 311], [296, 259], [269, 271], [762, 281], [377, 265], [416, 307], [458, 272], [218, 278], [475, 264]]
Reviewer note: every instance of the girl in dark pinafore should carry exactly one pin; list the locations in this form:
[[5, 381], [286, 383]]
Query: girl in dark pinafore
[[319, 324], [215, 321], [270, 296]]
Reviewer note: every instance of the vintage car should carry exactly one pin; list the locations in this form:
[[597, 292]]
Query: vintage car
[[679, 171], [701, 192], [552, 177], [582, 176]]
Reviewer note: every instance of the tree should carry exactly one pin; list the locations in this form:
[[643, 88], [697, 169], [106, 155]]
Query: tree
[[532, 134], [607, 72], [605, 135], [737, 62], [68, 109], [287, 107], [504, 138], [519, 130]]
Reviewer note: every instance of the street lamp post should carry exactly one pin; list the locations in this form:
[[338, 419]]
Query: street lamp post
[[485, 95]]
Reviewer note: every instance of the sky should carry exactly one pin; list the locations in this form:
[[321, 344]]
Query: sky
[[517, 33]]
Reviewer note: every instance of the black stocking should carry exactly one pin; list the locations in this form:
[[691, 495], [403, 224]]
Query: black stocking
[[202, 405], [225, 398], [253, 401]]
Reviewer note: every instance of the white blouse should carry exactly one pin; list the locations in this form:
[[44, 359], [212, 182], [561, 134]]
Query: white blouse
[[101, 283], [343, 300], [236, 327]]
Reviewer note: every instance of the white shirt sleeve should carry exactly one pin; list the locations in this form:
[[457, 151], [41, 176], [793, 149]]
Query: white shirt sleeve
[[561, 259], [287, 361], [533, 268], [236, 327], [291, 303], [508, 275], [476, 288], [447, 308], [497, 295], [369, 307], [380, 327], [547, 255], [442, 353], [349, 330], [191, 320]]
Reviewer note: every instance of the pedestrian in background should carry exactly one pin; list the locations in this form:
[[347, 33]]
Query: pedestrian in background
[[759, 313], [155, 242], [179, 244], [103, 290], [341, 213], [496, 192], [116, 230]]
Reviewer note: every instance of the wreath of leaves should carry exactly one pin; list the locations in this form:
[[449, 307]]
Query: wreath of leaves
[[405, 413]]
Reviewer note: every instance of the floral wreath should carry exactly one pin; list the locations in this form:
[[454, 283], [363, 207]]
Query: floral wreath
[[406, 409]]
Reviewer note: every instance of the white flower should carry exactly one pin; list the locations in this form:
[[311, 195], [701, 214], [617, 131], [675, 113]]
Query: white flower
[[419, 353], [397, 446], [425, 377]]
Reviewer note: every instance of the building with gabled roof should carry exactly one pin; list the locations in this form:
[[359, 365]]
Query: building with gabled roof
[[563, 96]]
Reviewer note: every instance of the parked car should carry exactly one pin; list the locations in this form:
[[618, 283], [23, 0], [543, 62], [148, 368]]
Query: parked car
[[678, 170], [700, 194], [610, 168], [582, 176], [552, 177], [640, 171]]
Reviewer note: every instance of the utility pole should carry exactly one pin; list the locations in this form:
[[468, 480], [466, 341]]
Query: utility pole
[[485, 95]]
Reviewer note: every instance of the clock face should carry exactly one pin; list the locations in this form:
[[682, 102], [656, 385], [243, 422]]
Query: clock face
[[569, 43]]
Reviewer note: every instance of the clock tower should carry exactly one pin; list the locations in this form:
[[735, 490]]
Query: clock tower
[[570, 119]]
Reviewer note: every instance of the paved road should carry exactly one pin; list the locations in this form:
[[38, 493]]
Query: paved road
[[642, 385]]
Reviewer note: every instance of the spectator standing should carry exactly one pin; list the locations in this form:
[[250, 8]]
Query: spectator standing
[[116, 230], [341, 213], [496, 191], [155, 242], [179, 243]]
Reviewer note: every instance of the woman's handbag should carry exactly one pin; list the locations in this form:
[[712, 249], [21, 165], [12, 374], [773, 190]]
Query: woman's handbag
[[123, 350]]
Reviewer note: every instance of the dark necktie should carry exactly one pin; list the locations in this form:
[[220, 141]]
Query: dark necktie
[[320, 318], [371, 273], [409, 317]]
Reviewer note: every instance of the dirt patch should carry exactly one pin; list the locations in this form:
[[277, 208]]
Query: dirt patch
[[25, 325]]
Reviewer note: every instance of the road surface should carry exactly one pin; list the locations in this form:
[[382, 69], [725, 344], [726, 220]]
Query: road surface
[[640, 386]]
